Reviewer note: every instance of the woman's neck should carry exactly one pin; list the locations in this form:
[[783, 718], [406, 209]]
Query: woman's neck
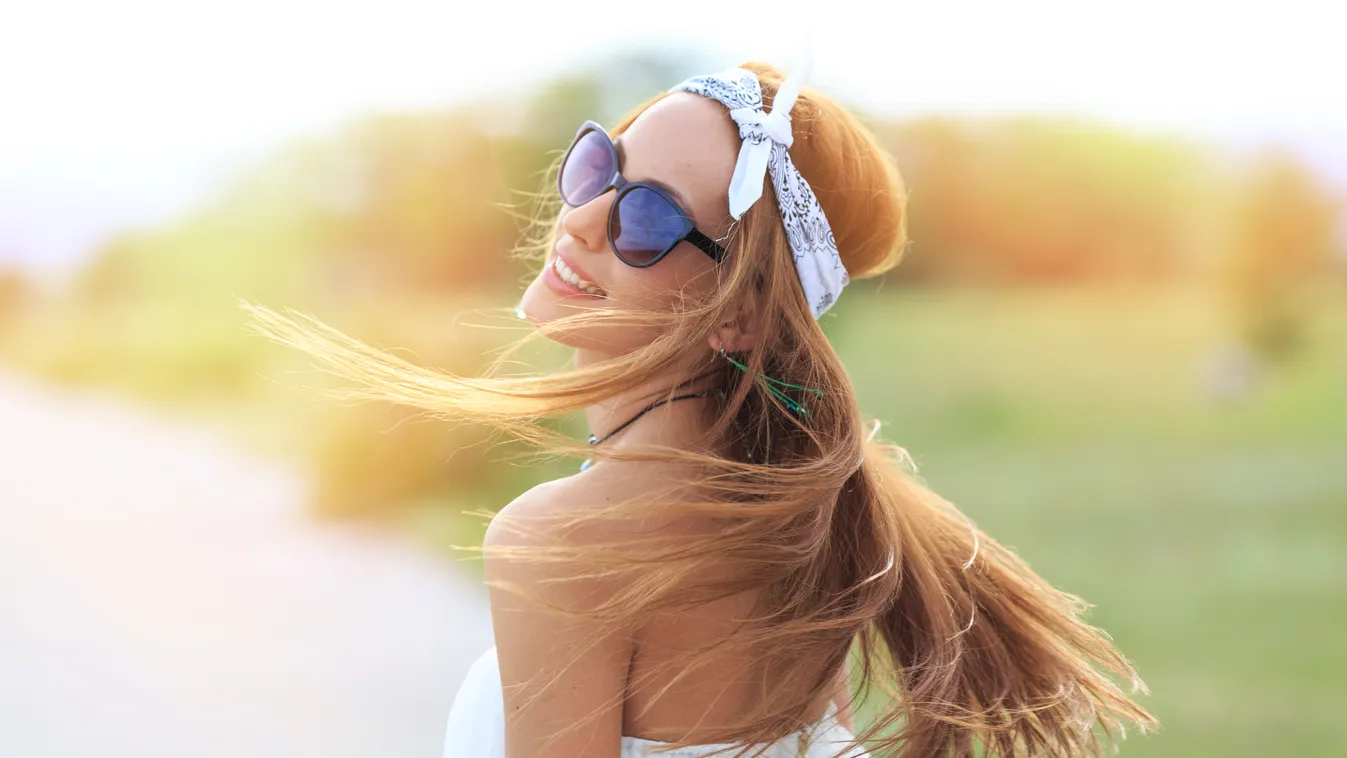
[[675, 424]]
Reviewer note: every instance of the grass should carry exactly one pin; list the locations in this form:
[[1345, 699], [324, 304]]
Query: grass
[[1209, 536]]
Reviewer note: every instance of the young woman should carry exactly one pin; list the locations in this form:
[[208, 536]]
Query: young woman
[[737, 541]]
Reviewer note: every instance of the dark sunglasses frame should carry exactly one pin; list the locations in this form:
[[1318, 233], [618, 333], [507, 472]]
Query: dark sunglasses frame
[[620, 183]]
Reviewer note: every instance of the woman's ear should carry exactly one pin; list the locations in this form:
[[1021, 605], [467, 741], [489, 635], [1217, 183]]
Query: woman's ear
[[740, 332], [734, 336]]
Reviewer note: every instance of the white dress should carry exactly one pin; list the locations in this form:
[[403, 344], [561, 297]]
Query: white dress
[[477, 726]]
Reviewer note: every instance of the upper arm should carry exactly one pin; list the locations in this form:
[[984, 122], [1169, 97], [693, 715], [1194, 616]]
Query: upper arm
[[533, 642]]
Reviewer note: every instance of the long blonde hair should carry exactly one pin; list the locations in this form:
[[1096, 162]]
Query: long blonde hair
[[845, 546]]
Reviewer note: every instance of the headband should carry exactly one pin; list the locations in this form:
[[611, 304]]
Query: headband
[[766, 136]]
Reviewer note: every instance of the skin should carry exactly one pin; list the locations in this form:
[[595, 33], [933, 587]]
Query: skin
[[687, 143]]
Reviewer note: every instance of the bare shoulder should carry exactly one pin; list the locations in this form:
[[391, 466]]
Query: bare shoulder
[[568, 510], [563, 677]]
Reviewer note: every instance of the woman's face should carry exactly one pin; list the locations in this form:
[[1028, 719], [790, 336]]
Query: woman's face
[[684, 143]]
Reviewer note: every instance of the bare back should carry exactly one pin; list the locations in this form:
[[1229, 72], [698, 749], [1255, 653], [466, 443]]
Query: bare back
[[721, 692], [724, 690]]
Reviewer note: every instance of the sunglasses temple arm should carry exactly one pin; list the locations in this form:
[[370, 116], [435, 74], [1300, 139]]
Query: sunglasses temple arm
[[706, 245]]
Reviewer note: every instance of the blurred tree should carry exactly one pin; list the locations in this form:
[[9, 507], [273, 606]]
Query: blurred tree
[[601, 92], [391, 224], [375, 459], [1040, 199], [1284, 228], [16, 293]]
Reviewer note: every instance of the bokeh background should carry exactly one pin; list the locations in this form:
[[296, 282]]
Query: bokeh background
[[1118, 343]]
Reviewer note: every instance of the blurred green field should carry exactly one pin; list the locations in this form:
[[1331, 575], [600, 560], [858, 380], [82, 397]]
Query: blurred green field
[[1073, 424]]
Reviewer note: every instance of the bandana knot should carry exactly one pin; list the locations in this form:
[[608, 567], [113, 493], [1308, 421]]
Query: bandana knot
[[759, 126], [761, 132]]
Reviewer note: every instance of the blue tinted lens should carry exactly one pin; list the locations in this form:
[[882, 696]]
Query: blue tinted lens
[[587, 169], [645, 225]]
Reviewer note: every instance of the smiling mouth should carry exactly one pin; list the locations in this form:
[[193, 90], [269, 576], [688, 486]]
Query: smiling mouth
[[569, 276]]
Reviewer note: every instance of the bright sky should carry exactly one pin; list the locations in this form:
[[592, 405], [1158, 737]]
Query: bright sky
[[128, 112]]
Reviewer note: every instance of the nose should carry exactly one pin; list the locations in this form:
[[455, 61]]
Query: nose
[[588, 223]]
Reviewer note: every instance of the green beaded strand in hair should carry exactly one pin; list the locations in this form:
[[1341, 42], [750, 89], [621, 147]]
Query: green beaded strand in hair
[[783, 397]]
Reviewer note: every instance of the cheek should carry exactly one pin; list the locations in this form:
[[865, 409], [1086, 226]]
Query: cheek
[[663, 285], [644, 288]]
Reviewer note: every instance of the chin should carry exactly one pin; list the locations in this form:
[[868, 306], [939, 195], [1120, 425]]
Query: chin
[[541, 305]]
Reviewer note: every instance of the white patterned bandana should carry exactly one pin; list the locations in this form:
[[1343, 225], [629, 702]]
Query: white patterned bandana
[[766, 136]]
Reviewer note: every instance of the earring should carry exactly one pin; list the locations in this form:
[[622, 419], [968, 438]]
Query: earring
[[783, 397]]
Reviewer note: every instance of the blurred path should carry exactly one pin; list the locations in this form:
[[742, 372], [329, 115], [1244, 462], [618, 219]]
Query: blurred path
[[162, 594]]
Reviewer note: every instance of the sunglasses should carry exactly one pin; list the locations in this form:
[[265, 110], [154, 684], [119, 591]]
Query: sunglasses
[[644, 222]]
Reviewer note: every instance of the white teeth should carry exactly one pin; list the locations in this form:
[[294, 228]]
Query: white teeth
[[568, 275]]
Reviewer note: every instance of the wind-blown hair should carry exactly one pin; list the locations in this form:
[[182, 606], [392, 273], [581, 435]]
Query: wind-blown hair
[[854, 559]]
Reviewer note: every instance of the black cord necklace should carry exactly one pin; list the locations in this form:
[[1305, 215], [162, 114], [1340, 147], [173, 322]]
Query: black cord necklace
[[593, 440]]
